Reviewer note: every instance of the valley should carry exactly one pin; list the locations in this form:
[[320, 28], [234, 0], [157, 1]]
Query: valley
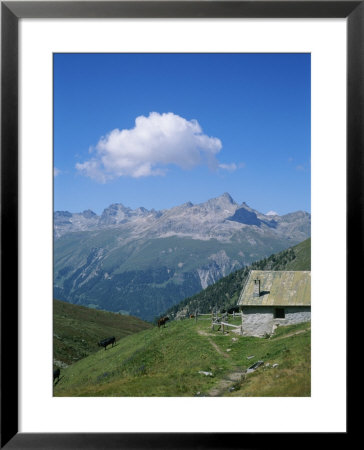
[[142, 262]]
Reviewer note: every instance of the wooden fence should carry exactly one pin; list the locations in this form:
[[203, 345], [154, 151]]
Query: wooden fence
[[219, 319]]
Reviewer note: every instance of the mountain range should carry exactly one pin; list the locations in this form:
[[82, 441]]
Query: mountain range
[[141, 262]]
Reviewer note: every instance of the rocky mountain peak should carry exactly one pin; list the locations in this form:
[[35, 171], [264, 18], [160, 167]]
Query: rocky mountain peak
[[114, 214], [225, 198], [117, 206], [62, 214], [224, 201], [228, 197], [88, 214]]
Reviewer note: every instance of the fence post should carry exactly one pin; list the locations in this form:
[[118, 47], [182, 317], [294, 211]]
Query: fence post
[[222, 327], [241, 320], [196, 316]]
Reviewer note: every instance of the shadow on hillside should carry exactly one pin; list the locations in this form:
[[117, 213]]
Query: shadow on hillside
[[58, 380], [109, 348]]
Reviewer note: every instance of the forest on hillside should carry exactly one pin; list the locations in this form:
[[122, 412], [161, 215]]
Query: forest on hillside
[[224, 294]]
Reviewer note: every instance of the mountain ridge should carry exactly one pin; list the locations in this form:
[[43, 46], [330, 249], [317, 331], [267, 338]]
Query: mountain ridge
[[144, 261], [216, 212]]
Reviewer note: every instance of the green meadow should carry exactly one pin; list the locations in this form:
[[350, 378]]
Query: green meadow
[[168, 361], [77, 330]]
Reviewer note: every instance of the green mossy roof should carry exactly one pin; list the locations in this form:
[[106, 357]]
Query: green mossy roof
[[278, 288]]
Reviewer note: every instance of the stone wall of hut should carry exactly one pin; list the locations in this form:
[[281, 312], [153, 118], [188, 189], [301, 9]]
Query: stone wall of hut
[[259, 320]]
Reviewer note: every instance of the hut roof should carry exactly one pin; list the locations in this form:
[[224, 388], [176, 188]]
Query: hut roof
[[278, 288]]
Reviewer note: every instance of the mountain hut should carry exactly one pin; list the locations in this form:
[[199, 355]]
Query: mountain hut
[[273, 298]]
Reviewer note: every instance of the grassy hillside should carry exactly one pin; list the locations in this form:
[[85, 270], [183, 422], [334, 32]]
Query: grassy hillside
[[167, 361], [77, 329], [301, 260], [225, 292]]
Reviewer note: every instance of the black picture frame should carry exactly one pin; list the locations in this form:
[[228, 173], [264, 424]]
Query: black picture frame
[[11, 12]]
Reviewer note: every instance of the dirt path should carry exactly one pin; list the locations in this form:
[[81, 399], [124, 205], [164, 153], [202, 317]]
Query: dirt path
[[216, 347], [226, 384], [204, 333], [230, 379], [290, 335]]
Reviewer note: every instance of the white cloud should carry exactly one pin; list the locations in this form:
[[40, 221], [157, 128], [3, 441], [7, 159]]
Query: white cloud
[[229, 167], [271, 213], [56, 171], [147, 149], [300, 168]]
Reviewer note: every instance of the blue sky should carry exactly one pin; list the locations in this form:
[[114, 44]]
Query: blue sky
[[157, 130]]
